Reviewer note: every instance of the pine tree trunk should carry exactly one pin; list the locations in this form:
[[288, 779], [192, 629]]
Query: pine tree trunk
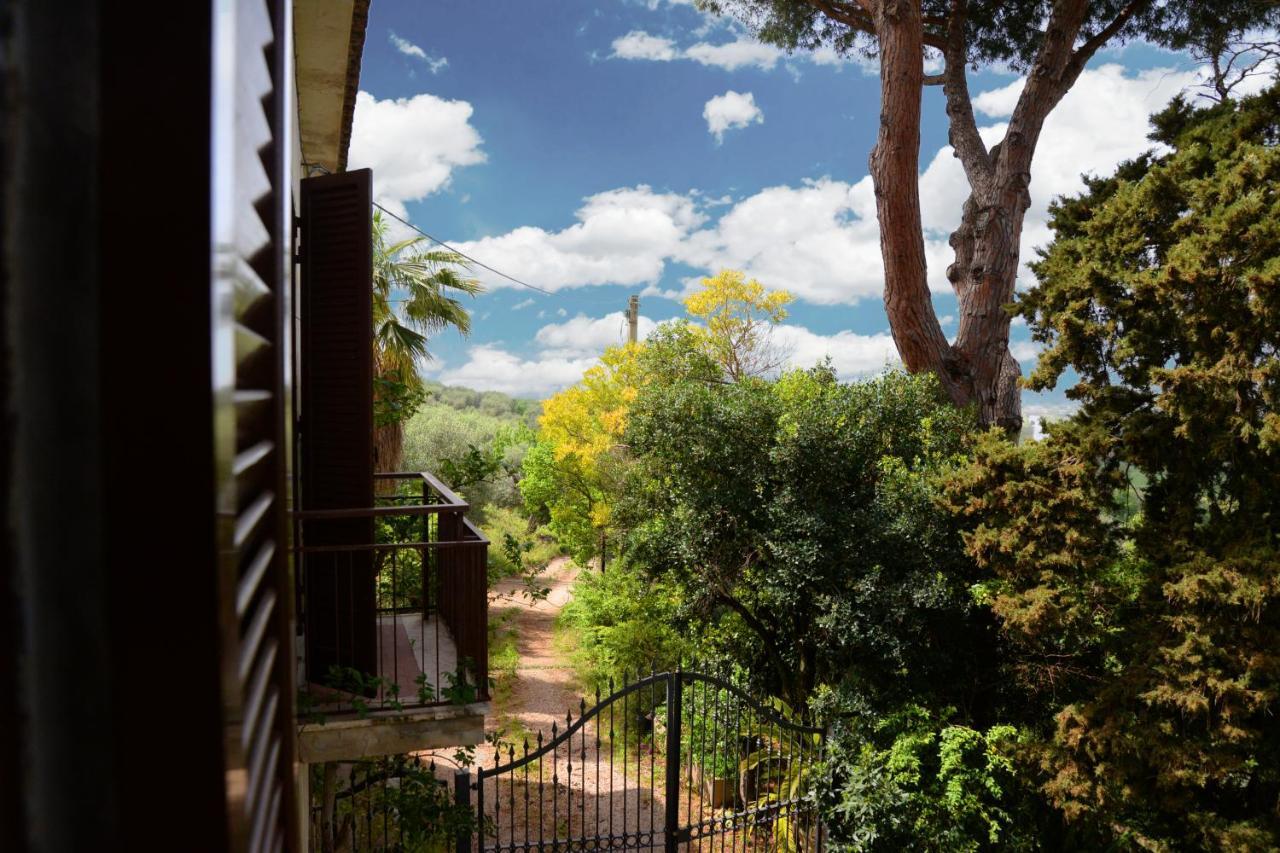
[[978, 368], [984, 274], [895, 173]]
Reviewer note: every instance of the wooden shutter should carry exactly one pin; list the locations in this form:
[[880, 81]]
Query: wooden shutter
[[336, 429], [253, 227]]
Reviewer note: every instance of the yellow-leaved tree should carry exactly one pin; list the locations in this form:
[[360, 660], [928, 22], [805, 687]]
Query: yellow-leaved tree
[[574, 473], [738, 316]]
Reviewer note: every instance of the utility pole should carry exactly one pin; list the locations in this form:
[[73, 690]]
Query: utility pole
[[633, 318]]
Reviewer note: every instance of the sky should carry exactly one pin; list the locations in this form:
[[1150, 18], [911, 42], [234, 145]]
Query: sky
[[596, 150]]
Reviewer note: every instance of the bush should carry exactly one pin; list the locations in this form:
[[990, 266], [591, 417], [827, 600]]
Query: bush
[[621, 623], [909, 780]]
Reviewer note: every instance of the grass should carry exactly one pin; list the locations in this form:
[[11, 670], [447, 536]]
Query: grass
[[504, 661]]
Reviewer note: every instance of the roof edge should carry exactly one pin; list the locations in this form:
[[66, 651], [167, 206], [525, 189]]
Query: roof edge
[[355, 54]]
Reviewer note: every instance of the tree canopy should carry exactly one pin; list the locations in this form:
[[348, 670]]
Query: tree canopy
[[1153, 641]]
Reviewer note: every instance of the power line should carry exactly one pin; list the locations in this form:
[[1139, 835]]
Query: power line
[[440, 242]]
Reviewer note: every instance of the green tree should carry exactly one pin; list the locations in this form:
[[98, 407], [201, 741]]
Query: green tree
[[797, 519], [1153, 643], [1051, 41], [415, 294], [572, 474]]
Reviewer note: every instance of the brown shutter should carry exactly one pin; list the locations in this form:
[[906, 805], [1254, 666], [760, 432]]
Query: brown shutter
[[253, 227], [336, 429]]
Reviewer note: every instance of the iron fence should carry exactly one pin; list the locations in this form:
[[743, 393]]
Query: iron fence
[[672, 761]]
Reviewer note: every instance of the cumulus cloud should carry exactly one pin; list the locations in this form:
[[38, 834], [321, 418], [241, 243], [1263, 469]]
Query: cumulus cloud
[[730, 111], [851, 354], [742, 52], [638, 44], [1024, 351], [412, 144], [491, 368], [582, 336], [622, 236], [736, 54], [820, 239]]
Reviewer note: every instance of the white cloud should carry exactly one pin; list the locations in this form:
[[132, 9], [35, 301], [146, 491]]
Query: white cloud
[[408, 48], [742, 52], [412, 144], [490, 368], [1024, 351], [638, 44], [736, 54], [582, 336], [523, 303], [820, 240], [622, 236], [565, 350], [852, 355], [729, 111]]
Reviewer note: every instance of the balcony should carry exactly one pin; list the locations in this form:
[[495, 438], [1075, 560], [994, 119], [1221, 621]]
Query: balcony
[[393, 623]]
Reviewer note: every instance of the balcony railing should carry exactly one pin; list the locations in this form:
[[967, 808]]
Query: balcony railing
[[393, 605]]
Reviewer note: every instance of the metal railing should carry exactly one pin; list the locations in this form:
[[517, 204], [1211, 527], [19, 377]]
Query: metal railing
[[395, 803], [393, 603]]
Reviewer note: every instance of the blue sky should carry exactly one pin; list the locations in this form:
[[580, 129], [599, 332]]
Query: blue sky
[[603, 149]]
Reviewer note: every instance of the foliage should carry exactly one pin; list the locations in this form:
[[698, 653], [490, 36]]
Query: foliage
[[911, 780], [396, 396], [1154, 645], [424, 284], [621, 624], [784, 761], [477, 451], [736, 317], [414, 295], [535, 545], [1001, 33], [406, 799], [573, 473], [796, 519]]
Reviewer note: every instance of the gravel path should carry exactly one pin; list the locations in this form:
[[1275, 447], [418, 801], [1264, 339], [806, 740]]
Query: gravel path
[[589, 789]]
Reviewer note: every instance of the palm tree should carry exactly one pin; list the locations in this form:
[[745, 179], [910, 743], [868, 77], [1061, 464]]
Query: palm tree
[[414, 290]]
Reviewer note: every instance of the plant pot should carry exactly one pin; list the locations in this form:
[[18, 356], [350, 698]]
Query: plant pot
[[717, 791]]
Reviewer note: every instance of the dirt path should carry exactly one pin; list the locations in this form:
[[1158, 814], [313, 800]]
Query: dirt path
[[545, 687], [577, 790]]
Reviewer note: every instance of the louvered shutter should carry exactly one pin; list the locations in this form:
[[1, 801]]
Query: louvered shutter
[[336, 429], [253, 225]]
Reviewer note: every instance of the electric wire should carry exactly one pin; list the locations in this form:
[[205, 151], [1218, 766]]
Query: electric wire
[[445, 245]]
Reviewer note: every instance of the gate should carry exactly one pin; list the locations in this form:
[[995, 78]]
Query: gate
[[673, 761]]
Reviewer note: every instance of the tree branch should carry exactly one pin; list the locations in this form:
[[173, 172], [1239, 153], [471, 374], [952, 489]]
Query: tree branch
[[964, 136], [1045, 86], [858, 19], [758, 627], [861, 18], [1086, 51]]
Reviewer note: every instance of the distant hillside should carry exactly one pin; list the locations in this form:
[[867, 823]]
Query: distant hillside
[[453, 420], [490, 403]]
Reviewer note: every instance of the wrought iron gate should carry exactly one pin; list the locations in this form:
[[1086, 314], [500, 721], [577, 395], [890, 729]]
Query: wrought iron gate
[[672, 761]]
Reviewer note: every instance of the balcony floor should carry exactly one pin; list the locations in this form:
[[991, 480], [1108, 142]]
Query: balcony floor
[[408, 647]]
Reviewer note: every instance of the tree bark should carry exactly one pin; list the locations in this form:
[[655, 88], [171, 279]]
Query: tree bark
[[978, 368], [895, 173]]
